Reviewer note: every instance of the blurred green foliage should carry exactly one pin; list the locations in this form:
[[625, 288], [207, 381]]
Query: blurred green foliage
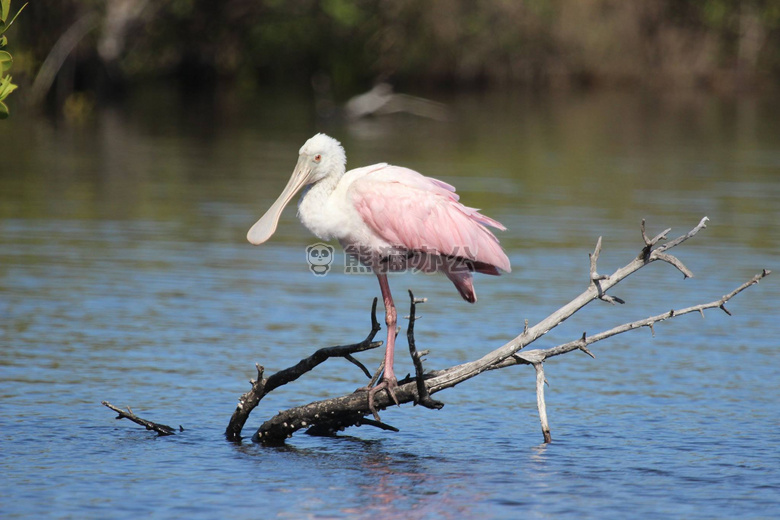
[[349, 44], [6, 60]]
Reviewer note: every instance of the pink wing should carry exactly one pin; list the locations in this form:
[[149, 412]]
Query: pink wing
[[420, 213]]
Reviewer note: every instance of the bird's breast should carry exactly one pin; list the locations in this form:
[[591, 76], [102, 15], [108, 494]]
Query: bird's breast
[[331, 214], [323, 214]]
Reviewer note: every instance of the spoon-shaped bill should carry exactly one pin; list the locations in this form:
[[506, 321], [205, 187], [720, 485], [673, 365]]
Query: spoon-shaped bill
[[266, 226]]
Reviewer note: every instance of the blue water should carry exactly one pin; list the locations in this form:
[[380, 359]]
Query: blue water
[[125, 276]]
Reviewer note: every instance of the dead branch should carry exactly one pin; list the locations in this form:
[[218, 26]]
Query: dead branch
[[457, 374], [424, 397], [262, 386], [332, 415], [537, 357], [161, 429], [531, 357], [540, 381]]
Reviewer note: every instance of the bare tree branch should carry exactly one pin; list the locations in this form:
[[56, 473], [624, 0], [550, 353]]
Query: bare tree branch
[[540, 381], [596, 278], [332, 415], [455, 375], [349, 410], [161, 429], [650, 242], [262, 386], [675, 262], [531, 357], [425, 398]]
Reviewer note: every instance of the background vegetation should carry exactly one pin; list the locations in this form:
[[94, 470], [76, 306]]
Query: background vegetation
[[6, 59], [723, 45]]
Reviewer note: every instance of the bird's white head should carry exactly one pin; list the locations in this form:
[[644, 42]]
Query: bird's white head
[[326, 156], [320, 157]]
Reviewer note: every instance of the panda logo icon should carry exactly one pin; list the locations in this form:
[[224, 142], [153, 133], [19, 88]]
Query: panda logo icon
[[319, 256]]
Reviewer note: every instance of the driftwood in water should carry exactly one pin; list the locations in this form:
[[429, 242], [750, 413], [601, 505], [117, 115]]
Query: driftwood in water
[[161, 429], [262, 385], [332, 415]]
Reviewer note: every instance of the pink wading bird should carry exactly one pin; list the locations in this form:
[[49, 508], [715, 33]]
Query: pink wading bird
[[392, 219]]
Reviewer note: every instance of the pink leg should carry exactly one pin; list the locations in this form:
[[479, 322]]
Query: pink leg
[[389, 381], [391, 321]]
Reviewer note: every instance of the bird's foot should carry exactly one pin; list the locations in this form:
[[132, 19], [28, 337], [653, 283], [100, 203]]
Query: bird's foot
[[388, 384]]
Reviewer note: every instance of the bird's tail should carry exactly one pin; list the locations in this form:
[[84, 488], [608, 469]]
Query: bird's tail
[[464, 282]]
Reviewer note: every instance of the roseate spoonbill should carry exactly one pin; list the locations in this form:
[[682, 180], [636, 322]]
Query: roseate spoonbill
[[389, 218]]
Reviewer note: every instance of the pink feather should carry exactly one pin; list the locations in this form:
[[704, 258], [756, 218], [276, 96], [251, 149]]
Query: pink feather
[[420, 213]]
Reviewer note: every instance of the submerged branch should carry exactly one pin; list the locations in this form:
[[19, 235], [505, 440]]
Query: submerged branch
[[161, 429]]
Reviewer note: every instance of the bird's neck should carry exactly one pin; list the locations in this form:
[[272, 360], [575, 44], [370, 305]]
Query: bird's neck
[[323, 187], [313, 206]]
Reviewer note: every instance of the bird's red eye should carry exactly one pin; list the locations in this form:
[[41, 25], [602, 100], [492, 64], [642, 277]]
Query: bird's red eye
[[317, 158]]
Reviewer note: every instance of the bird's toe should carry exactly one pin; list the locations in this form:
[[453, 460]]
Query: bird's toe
[[389, 384]]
